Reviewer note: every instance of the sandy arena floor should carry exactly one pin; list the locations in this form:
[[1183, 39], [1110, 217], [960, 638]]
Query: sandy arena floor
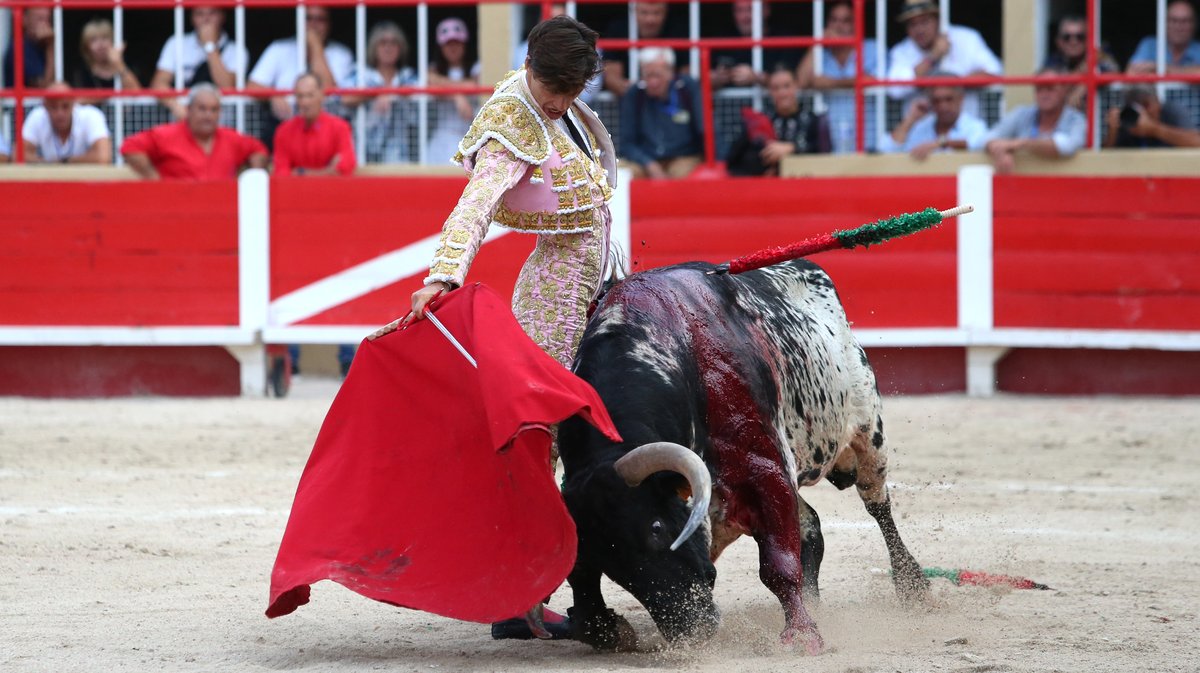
[[138, 535]]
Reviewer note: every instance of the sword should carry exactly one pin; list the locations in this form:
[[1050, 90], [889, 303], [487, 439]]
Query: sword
[[446, 333]]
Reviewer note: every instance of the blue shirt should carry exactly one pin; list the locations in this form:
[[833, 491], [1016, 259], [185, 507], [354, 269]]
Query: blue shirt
[[1147, 52], [653, 129], [35, 63], [967, 127], [831, 68], [1069, 135], [841, 102]]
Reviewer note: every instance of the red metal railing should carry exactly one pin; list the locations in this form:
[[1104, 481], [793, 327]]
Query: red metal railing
[[1091, 79]]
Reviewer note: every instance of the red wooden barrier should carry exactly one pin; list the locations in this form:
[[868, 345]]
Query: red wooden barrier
[[907, 283], [1114, 253], [1070, 253], [118, 253]]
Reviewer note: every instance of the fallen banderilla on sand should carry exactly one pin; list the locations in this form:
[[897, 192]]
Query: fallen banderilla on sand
[[961, 577]]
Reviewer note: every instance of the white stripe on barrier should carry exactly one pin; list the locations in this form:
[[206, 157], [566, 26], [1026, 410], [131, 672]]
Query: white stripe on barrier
[[359, 280]]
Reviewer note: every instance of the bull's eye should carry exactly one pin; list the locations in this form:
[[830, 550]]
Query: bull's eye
[[658, 540], [657, 529]]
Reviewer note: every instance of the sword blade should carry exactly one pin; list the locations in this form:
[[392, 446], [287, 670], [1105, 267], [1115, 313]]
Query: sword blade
[[450, 337]]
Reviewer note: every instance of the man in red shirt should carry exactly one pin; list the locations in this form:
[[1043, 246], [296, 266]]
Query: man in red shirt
[[195, 148], [313, 142]]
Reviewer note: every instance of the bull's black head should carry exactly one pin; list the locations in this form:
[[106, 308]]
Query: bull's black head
[[627, 533]]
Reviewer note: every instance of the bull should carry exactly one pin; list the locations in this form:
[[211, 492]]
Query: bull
[[730, 392]]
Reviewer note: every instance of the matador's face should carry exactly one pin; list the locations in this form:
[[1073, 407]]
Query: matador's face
[[553, 105]]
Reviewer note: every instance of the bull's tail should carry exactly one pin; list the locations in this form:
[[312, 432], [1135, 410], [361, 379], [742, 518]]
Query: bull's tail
[[868, 234]]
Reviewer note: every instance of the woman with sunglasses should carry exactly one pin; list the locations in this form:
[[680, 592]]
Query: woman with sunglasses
[[1070, 56]]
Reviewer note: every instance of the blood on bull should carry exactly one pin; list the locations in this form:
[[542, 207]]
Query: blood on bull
[[730, 392]]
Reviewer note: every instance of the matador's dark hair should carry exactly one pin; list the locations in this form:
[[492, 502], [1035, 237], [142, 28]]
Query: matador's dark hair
[[562, 54]]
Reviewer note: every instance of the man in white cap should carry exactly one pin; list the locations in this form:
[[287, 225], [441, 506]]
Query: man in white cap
[[959, 51]]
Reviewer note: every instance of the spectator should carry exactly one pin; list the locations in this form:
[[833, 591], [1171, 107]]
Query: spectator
[[1049, 128], [734, 67], [652, 24], [313, 142], [959, 51], [838, 68], [330, 61], [451, 67], [1183, 52], [38, 28], [522, 50], [103, 62], [5, 150], [61, 132], [206, 55], [790, 129], [389, 118], [1144, 121], [662, 130], [1070, 56], [195, 148], [936, 123]]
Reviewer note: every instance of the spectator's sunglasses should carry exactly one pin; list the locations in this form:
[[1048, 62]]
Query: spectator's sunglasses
[[316, 18], [1072, 37]]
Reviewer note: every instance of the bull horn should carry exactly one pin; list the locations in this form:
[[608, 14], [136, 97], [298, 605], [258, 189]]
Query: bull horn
[[647, 459]]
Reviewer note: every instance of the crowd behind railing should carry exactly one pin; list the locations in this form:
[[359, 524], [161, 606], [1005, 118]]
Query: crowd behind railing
[[314, 106]]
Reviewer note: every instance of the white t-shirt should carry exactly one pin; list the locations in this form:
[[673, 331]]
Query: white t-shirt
[[276, 68], [968, 53], [194, 56], [87, 126], [4, 148]]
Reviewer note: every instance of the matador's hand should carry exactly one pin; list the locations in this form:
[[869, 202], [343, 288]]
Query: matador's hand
[[420, 299]]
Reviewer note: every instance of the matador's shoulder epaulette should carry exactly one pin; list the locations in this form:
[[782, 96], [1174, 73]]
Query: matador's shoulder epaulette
[[510, 119]]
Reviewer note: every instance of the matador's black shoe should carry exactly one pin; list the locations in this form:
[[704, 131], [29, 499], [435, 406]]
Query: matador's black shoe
[[517, 628]]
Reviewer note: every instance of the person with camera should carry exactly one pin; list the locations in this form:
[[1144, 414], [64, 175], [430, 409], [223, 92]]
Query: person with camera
[[1144, 121]]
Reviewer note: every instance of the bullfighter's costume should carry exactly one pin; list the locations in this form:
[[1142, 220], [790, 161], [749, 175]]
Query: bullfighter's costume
[[534, 175], [445, 544]]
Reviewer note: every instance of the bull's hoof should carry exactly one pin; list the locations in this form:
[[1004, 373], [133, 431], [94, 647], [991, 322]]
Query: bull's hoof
[[806, 637], [605, 630], [911, 584]]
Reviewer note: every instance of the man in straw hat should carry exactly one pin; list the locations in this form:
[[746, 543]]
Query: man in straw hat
[[958, 51]]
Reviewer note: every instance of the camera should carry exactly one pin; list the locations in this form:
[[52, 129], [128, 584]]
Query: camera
[[1129, 116]]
